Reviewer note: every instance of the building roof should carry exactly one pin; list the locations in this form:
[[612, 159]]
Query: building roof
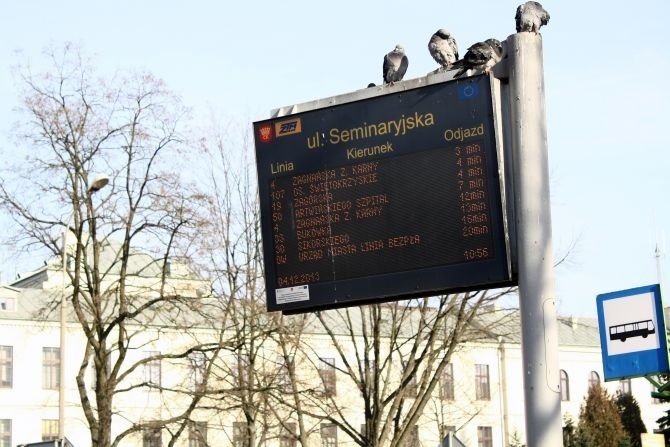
[[577, 331], [140, 265], [491, 324], [35, 296]]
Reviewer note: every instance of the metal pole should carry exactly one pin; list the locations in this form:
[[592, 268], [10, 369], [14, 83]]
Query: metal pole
[[539, 325], [502, 367], [658, 254], [94, 187], [63, 323]]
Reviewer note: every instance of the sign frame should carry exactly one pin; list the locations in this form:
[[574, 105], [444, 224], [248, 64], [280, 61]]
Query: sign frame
[[413, 281]]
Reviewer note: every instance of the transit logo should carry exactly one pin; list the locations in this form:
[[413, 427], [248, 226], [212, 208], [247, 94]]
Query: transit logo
[[265, 133], [288, 127], [468, 91]]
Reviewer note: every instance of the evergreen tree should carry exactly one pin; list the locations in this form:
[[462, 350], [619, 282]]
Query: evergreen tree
[[629, 411], [599, 419], [664, 426], [574, 436], [569, 431], [516, 440], [661, 385]]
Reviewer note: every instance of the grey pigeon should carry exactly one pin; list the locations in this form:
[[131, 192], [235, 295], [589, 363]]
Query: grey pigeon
[[442, 46], [530, 17], [395, 65], [480, 56]]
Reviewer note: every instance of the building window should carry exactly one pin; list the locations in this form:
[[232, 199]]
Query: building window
[[447, 382], [624, 386], [197, 434], [484, 437], [49, 429], [412, 438], [328, 378], [483, 391], [94, 373], [50, 368], [446, 429], [7, 304], [594, 379], [368, 368], [328, 435], [284, 372], [198, 367], [287, 437], [412, 386], [5, 433], [240, 435], [6, 366], [242, 371], [565, 386], [152, 368], [151, 437]]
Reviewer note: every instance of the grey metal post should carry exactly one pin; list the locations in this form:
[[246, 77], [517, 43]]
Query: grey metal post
[[62, 331], [539, 324]]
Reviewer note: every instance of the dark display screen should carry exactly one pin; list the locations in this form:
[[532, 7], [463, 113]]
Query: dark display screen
[[381, 199]]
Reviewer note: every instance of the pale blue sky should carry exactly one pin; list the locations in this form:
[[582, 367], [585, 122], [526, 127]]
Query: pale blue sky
[[607, 94]]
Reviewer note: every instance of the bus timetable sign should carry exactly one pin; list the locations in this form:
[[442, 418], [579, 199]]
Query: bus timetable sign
[[385, 198]]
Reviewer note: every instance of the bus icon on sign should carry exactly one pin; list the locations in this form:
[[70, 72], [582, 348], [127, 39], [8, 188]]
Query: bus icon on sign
[[634, 329]]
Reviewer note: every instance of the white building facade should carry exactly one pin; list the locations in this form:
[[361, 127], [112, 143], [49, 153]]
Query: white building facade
[[480, 398]]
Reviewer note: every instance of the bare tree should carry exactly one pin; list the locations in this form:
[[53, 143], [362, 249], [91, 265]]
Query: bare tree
[[76, 127], [132, 130], [249, 368], [292, 412], [394, 356]]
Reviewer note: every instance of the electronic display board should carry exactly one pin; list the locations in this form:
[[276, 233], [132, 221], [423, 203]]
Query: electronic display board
[[384, 198]]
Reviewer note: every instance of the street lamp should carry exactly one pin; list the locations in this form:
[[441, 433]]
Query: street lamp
[[95, 186], [98, 184]]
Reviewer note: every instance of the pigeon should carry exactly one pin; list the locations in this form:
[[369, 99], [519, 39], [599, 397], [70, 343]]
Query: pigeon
[[480, 56], [530, 17], [442, 46], [395, 65]]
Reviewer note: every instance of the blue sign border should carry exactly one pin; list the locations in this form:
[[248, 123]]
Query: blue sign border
[[640, 363]]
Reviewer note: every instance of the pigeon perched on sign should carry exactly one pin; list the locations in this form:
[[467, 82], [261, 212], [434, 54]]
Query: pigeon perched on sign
[[442, 46], [480, 56], [530, 17], [395, 65]]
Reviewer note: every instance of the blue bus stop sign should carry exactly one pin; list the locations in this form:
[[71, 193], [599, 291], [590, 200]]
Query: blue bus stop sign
[[632, 332]]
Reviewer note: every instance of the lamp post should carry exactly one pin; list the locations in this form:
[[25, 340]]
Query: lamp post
[[97, 185]]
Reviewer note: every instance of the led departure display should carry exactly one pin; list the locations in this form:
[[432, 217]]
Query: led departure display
[[385, 198]]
